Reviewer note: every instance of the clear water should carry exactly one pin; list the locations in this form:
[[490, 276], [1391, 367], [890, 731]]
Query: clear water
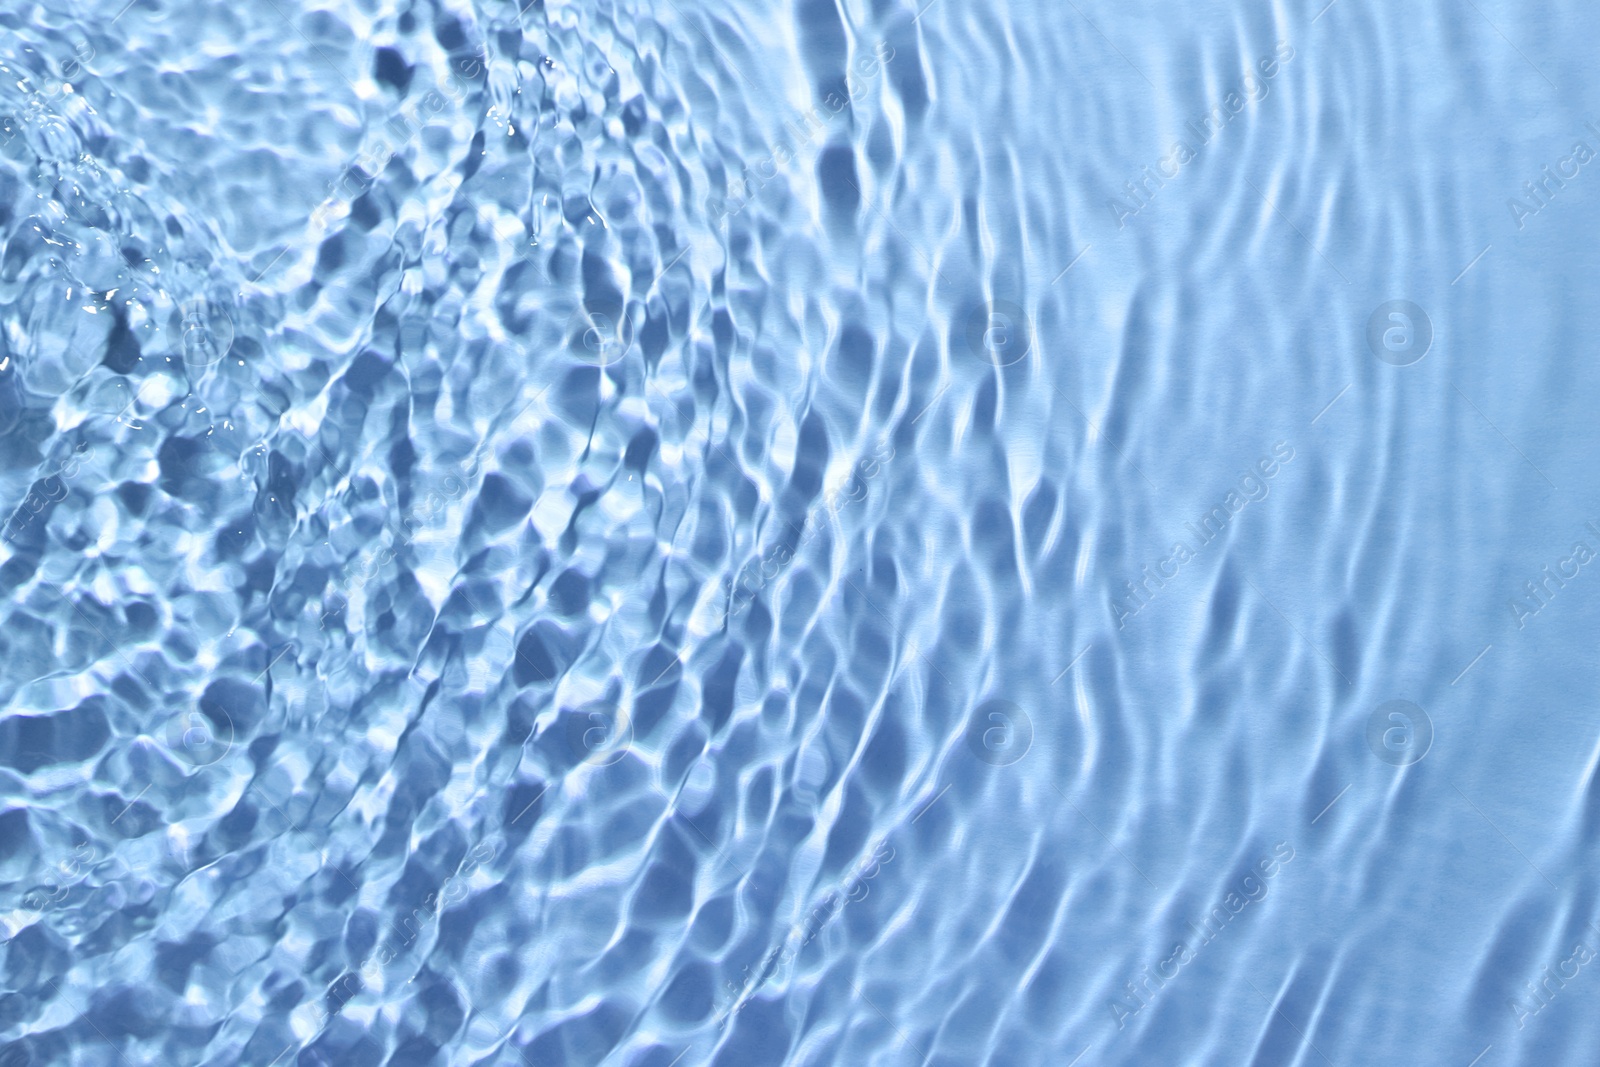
[[819, 533]]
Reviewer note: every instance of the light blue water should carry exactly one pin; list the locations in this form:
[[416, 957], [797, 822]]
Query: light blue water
[[825, 533]]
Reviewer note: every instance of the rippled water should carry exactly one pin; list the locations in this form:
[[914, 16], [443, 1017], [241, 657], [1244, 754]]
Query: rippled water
[[833, 533]]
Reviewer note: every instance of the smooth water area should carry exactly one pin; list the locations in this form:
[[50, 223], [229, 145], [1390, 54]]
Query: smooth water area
[[837, 532]]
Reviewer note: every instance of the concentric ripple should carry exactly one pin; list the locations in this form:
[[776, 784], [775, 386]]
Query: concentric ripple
[[831, 533]]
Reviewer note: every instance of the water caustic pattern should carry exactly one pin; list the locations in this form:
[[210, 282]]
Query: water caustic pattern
[[821, 533]]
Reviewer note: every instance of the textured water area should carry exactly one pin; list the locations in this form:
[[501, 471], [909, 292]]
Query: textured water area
[[832, 532]]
